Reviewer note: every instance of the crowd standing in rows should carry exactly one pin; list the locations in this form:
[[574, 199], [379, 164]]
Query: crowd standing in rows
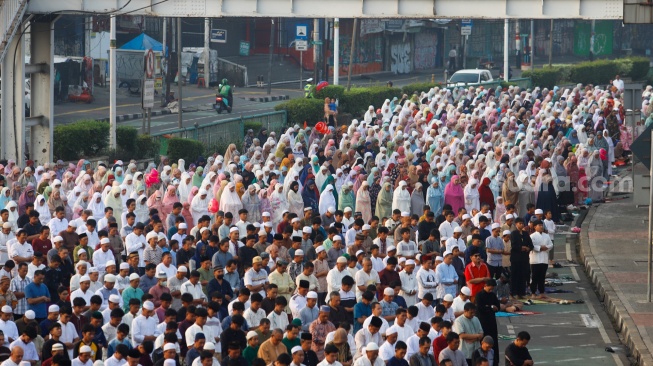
[[392, 240]]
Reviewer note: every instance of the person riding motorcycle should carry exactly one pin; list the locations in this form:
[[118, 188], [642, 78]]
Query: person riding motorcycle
[[226, 92]]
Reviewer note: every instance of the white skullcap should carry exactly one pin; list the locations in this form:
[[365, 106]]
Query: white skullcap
[[466, 291]]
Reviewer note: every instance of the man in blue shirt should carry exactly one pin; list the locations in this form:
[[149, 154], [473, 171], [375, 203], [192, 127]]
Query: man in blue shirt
[[38, 296], [362, 310]]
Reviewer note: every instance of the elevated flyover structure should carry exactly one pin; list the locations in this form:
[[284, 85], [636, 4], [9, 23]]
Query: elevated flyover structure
[[38, 16]]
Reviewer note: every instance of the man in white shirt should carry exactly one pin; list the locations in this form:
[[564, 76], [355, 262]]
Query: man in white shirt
[[330, 356], [119, 356], [425, 309], [446, 277], [413, 341], [350, 235], [83, 291], [102, 256], [459, 302], [166, 266], [201, 316], [256, 277], [367, 335], [335, 276], [387, 349], [456, 240], [84, 358], [242, 223], [371, 356], [409, 285], [426, 280], [365, 277], [8, 326], [406, 248], [298, 301], [539, 258], [35, 265], [253, 314], [58, 223], [5, 236], [20, 250], [446, 228], [135, 242], [618, 83], [144, 326], [193, 287]]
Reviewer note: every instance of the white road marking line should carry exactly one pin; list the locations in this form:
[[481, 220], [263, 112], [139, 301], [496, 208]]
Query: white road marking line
[[567, 360], [576, 334], [561, 347], [589, 321], [587, 345], [597, 357], [550, 336], [535, 325], [511, 329], [560, 323], [604, 334]]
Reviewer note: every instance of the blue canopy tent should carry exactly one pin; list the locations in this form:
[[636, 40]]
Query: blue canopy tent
[[143, 42]]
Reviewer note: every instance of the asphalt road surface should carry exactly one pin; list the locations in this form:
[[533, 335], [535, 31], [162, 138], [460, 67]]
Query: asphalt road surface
[[574, 334]]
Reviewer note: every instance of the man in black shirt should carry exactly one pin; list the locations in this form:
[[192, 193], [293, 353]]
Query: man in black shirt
[[235, 335], [33, 227], [487, 304], [310, 357], [186, 252], [519, 261], [24, 218], [425, 227], [516, 353]]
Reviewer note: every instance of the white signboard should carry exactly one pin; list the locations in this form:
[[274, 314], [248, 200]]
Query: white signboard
[[301, 45], [148, 94]]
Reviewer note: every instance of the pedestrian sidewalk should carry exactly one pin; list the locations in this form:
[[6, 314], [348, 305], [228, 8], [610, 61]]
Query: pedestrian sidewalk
[[614, 252]]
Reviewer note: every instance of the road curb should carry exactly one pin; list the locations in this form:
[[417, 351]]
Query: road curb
[[266, 99], [615, 308], [131, 116]]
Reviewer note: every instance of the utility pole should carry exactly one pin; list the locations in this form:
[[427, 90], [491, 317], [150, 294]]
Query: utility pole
[[316, 50], [270, 59], [164, 61], [180, 122], [336, 51], [506, 46], [207, 50], [113, 84], [551, 44], [354, 32]]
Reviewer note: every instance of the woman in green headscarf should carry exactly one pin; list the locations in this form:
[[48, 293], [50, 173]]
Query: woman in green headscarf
[[384, 201], [197, 177], [347, 198], [47, 192], [315, 164], [332, 181]]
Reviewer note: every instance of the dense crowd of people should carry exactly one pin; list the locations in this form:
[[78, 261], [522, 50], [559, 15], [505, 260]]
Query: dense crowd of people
[[392, 240]]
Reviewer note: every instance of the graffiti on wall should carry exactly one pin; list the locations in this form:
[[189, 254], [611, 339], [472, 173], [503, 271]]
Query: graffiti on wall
[[368, 49], [426, 46], [400, 58]]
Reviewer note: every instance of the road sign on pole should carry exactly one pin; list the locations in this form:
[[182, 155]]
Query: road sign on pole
[[641, 148], [466, 27], [148, 93], [301, 31], [301, 45], [149, 64], [219, 35]]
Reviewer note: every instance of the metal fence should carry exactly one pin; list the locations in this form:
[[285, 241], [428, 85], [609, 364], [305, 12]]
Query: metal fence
[[219, 134]]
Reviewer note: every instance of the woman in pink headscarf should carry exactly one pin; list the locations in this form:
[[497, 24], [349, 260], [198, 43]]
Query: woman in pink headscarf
[[192, 194], [154, 201], [265, 201], [169, 199], [454, 194]]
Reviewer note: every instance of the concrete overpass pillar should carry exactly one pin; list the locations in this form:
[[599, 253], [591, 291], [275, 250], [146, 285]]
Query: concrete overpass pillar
[[13, 100], [41, 141]]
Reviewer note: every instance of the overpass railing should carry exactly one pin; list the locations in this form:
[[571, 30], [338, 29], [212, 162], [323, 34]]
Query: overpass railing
[[219, 134]]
